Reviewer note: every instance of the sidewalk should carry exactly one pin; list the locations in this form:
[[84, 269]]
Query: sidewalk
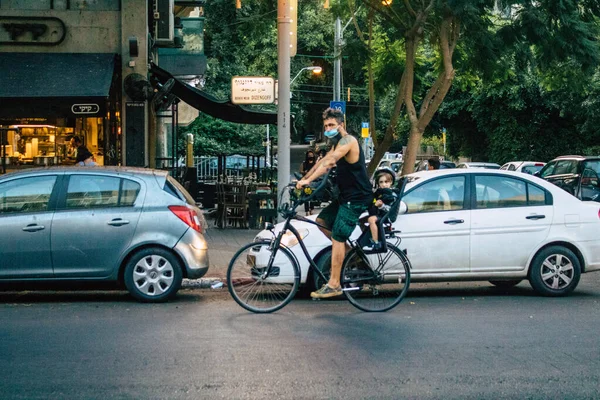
[[222, 245]]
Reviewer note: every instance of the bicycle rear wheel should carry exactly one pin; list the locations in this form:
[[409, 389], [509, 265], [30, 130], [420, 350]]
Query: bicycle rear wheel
[[375, 282], [262, 280]]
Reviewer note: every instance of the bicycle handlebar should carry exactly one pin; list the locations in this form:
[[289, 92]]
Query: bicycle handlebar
[[301, 196]]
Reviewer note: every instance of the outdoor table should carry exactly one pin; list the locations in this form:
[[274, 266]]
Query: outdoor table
[[262, 207]]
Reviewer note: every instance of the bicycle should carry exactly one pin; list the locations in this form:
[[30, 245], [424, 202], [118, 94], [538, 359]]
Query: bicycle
[[263, 276]]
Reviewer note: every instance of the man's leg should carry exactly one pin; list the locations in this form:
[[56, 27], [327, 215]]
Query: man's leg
[[345, 222], [326, 232], [338, 252]]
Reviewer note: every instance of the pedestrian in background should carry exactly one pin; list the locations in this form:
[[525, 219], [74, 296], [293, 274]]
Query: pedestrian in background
[[433, 163], [308, 163], [82, 156]]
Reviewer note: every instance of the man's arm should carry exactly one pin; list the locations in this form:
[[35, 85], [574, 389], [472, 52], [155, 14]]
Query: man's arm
[[314, 167], [341, 150]]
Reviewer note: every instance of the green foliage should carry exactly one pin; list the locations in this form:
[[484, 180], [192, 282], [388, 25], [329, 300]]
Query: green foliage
[[521, 119], [213, 136]]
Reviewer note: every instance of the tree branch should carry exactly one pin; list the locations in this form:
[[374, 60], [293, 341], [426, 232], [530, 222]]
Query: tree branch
[[411, 11], [361, 36], [431, 93], [409, 75], [438, 91]]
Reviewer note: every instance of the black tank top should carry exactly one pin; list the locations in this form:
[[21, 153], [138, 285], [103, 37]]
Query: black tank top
[[353, 181]]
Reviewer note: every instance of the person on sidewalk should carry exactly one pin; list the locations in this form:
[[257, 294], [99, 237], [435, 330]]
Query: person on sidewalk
[[355, 194], [433, 163]]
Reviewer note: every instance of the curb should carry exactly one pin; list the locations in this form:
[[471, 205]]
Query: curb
[[202, 283]]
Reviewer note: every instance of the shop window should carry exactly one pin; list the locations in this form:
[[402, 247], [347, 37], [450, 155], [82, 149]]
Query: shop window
[[26, 195]]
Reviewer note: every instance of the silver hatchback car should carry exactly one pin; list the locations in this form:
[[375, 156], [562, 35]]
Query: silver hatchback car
[[138, 227]]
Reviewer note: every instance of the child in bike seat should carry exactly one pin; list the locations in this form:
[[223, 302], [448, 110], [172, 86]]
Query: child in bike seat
[[383, 198]]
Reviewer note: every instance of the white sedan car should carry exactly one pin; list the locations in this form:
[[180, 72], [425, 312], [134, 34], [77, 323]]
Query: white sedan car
[[483, 225], [527, 167]]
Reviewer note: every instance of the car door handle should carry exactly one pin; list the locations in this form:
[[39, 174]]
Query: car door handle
[[535, 217], [34, 228], [118, 222], [454, 221]]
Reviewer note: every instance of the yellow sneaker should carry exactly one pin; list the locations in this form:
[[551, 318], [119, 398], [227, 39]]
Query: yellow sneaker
[[326, 292]]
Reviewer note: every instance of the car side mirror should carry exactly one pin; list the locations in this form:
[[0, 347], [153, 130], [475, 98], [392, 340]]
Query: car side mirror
[[402, 208], [536, 173]]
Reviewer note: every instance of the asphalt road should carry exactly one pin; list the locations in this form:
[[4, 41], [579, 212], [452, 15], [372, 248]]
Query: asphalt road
[[450, 341]]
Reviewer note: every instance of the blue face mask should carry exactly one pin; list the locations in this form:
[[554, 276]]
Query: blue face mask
[[330, 134]]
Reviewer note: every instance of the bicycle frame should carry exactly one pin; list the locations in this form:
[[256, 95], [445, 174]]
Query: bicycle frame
[[289, 227], [292, 215], [289, 213]]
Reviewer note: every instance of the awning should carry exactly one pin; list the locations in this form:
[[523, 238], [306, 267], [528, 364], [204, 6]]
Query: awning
[[222, 109], [50, 84]]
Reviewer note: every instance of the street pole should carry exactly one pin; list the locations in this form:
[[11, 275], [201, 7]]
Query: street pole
[[283, 107], [337, 56], [268, 155], [337, 61]]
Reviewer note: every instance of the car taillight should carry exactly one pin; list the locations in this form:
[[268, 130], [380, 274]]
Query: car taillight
[[188, 216], [539, 164]]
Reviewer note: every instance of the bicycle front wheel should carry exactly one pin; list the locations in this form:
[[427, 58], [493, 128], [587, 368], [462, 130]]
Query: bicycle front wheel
[[262, 280], [375, 282]]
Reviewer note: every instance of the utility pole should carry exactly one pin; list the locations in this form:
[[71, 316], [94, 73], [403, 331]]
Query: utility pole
[[283, 107], [337, 54], [337, 61]]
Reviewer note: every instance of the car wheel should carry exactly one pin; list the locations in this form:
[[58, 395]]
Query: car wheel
[[153, 275], [554, 271], [506, 284]]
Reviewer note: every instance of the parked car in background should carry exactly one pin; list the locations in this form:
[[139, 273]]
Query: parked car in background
[[478, 225], [394, 165], [527, 167], [483, 165], [423, 165], [577, 175], [136, 227]]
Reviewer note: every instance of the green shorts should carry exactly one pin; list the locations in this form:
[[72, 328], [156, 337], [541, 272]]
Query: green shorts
[[342, 217]]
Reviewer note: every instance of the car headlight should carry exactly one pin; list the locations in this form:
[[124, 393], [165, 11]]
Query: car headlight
[[289, 240]]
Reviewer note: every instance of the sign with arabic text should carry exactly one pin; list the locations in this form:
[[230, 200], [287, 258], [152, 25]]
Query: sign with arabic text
[[252, 90]]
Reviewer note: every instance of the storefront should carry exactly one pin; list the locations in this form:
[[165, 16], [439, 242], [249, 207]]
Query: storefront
[[47, 98]]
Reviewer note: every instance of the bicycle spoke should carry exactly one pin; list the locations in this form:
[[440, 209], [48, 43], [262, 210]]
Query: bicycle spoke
[[254, 289], [376, 282]]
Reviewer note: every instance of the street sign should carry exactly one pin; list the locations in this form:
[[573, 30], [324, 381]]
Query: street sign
[[252, 90], [364, 129], [338, 105]]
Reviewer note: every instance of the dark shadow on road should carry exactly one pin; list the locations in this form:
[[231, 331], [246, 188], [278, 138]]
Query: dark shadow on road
[[96, 295], [454, 289]]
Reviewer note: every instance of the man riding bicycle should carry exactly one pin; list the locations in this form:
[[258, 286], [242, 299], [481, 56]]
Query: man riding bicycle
[[342, 214]]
